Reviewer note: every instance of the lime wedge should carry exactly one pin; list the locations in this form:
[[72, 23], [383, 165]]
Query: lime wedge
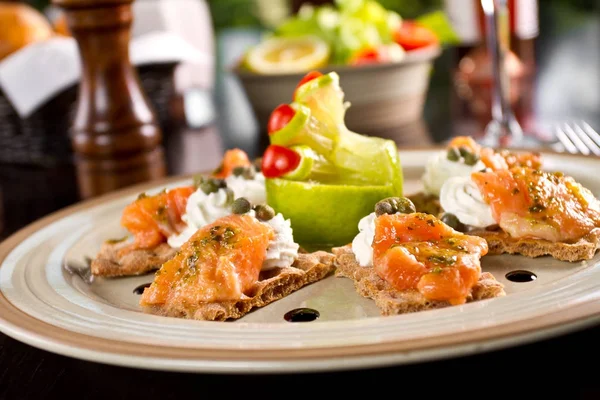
[[321, 214], [374, 159], [283, 55]]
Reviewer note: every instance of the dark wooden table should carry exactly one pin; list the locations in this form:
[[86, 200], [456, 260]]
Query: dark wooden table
[[567, 363]]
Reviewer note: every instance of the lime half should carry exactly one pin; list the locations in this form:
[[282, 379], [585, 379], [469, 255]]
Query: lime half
[[324, 215], [282, 55]]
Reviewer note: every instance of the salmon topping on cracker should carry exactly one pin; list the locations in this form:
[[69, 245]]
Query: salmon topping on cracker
[[418, 251], [530, 203], [221, 261], [152, 219], [496, 159]]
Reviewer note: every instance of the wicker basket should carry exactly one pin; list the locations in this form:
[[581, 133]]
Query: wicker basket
[[43, 138]]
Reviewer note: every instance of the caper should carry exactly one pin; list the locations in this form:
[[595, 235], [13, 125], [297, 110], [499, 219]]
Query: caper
[[264, 212], [257, 163], [230, 196], [453, 154], [404, 205], [383, 207], [241, 205], [238, 171], [212, 185], [244, 172], [198, 179], [249, 173], [452, 221], [471, 159], [393, 205], [463, 151], [208, 186]]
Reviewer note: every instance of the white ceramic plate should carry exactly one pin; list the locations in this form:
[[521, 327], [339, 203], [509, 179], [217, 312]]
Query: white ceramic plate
[[43, 304]]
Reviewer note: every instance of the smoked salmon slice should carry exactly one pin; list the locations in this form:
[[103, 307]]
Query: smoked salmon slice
[[418, 251], [497, 159], [530, 203], [233, 158], [152, 219], [220, 262]]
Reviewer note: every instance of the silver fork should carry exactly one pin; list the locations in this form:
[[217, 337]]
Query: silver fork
[[577, 138]]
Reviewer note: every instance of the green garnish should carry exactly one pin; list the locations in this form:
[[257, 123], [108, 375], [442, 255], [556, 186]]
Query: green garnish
[[212, 185], [453, 154], [452, 221], [393, 205], [442, 259], [241, 205], [264, 212], [245, 172], [471, 159], [118, 240]]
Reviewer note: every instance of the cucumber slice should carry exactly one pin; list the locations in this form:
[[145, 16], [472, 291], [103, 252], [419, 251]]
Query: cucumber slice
[[305, 166], [325, 99], [292, 132], [303, 129], [339, 155]]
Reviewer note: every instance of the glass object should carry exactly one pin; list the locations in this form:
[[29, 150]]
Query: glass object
[[516, 29], [503, 129]]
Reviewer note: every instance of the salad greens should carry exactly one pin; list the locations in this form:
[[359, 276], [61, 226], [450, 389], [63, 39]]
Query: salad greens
[[351, 25]]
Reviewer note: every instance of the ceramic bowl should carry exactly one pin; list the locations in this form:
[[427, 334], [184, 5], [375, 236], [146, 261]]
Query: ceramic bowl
[[382, 96]]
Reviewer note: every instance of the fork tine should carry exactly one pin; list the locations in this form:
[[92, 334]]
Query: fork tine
[[586, 138], [566, 142], [595, 136], [583, 149]]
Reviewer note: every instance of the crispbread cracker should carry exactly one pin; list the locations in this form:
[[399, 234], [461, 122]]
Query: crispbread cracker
[[392, 301], [500, 242], [426, 203], [272, 285], [112, 262]]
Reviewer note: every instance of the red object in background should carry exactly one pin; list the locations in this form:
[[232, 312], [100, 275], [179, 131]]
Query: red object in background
[[279, 160], [280, 117], [412, 36], [367, 56]]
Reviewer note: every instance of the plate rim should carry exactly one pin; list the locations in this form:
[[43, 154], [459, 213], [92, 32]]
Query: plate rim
[[23, 327]]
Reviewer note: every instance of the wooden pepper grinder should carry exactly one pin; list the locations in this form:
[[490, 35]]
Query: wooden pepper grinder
[[115, 135]]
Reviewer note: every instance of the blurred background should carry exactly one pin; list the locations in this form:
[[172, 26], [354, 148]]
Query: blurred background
[[205, 104], [555, 39]]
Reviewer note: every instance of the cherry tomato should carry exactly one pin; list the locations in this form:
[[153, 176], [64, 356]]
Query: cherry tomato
[[413, 36], [367, 56], [280, 117], [279, 160], [307, 78]]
